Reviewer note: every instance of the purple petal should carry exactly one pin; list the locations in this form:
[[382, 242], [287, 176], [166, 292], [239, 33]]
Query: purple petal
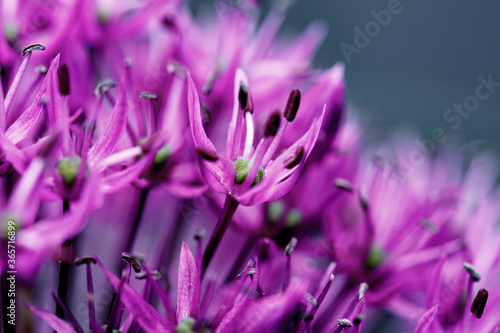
[[188, 289], [9, 98], [12, 154], [425, 321], [57, 324], [185, 181], [108, 141], [195, 119], [25, 198], [19, 130], [144, 313]]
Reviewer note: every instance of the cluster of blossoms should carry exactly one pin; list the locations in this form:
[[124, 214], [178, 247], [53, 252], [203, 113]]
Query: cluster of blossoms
[[205, 161]]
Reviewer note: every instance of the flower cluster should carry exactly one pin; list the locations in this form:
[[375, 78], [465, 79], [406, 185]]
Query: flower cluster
[[206, 161]]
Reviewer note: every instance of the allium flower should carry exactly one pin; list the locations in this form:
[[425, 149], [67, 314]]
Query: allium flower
[[248, 173], [138, 124]]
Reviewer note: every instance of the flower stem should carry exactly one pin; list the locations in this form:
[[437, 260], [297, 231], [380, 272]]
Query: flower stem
[[64, 269], [227, 213], [242, 255], [137, 221]]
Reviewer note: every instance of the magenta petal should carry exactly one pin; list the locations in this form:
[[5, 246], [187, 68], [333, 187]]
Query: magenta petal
[[185, 181], [188, 288], [195, 119], [425, 322], [19, 130], [11, 93], [108, 141], [143, 312], [12, 154], [24, 200], [57, 324], [231, 320]]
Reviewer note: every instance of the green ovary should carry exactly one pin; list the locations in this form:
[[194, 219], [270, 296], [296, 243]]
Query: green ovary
[[375, 257], [68, 168], [242, 169]]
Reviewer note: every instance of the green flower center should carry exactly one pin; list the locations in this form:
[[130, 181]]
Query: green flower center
[[185, 326], [375, 257], [68, 168], [162, 154], [242, 169]]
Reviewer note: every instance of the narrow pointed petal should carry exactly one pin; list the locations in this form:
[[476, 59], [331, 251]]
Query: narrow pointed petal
[[195, 119], [425, 321], [57, 324], [185, 181], [24, 200], [20, 129], [144, 313], [188, 293], [11, 93], [108, 141]]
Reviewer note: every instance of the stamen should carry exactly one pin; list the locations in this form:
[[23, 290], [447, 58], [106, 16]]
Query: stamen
[[42, 69], [311, 300], [207, 154], [344, 322], [291, 246], [249, 135], [63, 75], [292, 106], [479, 302], [144, 275], [363, 200], [243, 95], [85, 260], [127, 257], [429, 225], [358, 319], [148, 95], [32, 48], [288, 251], [198, 236], [273, 124], [207, 88], [103, 86], [363, 287], [320, 300], [343, 184], [294, 159], [90, 288], [67, 313], [11, 93], [474, 274], [207, 116], [153, 116]]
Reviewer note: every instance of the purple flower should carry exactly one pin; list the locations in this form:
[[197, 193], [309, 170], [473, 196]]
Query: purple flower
[[248, 173]]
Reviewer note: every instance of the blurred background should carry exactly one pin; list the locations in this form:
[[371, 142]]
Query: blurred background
[[426, 59]]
